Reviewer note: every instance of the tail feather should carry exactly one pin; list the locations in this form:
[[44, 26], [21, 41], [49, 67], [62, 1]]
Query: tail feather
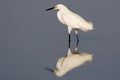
[[87, 26]]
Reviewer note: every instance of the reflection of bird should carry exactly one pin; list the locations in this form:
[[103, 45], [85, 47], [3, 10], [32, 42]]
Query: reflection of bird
[[70, 61], [72, 20]]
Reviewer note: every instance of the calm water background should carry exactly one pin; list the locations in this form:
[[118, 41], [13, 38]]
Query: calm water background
[[32, 39]]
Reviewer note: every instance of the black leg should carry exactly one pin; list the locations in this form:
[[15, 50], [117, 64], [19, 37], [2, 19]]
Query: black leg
[[77, 43], [69, 41], [69, 38], [76, 32], [69, 45], [77, 38]]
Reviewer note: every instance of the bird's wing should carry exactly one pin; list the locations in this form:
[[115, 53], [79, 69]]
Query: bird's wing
[[71, 62], [72, 19], [75, 21], [75, 60]]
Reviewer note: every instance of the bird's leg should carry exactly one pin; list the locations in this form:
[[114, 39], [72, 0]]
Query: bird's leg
[[77, 40], [69, 41], [77, 43], [76, 32], [76, 48], [69, 31]]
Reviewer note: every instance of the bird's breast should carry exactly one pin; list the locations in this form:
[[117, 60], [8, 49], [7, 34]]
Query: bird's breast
[[60, 17]]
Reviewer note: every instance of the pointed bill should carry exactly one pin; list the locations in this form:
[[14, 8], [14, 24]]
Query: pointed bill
[[49, 70], [50, 8]]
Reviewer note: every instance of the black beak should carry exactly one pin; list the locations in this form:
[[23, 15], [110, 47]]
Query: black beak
[[50, 8], [49, 69]]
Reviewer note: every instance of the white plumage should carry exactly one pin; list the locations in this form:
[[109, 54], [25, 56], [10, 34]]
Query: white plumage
[[71, 61], [72, 20]]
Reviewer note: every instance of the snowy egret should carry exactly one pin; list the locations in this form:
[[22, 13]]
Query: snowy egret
[[71, 61], [72, 20]]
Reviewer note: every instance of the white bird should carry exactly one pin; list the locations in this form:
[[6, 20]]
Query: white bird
[[72, 20], [70, 61]]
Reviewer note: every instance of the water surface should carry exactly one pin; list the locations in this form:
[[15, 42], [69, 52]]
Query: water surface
[[32, 39]]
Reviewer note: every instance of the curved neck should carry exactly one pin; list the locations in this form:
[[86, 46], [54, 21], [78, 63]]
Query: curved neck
[[61, 72], [64, 10]]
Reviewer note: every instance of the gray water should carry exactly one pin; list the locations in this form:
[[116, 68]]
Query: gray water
[[32, 39]]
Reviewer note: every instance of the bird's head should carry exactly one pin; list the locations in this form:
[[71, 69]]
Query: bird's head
[[57, 7], [56, 72], [51, 70]]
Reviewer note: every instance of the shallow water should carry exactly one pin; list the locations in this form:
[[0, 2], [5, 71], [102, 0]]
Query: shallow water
[[31, 40]]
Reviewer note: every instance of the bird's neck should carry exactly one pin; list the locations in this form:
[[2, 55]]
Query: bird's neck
[[61, 72], [65, 10]]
